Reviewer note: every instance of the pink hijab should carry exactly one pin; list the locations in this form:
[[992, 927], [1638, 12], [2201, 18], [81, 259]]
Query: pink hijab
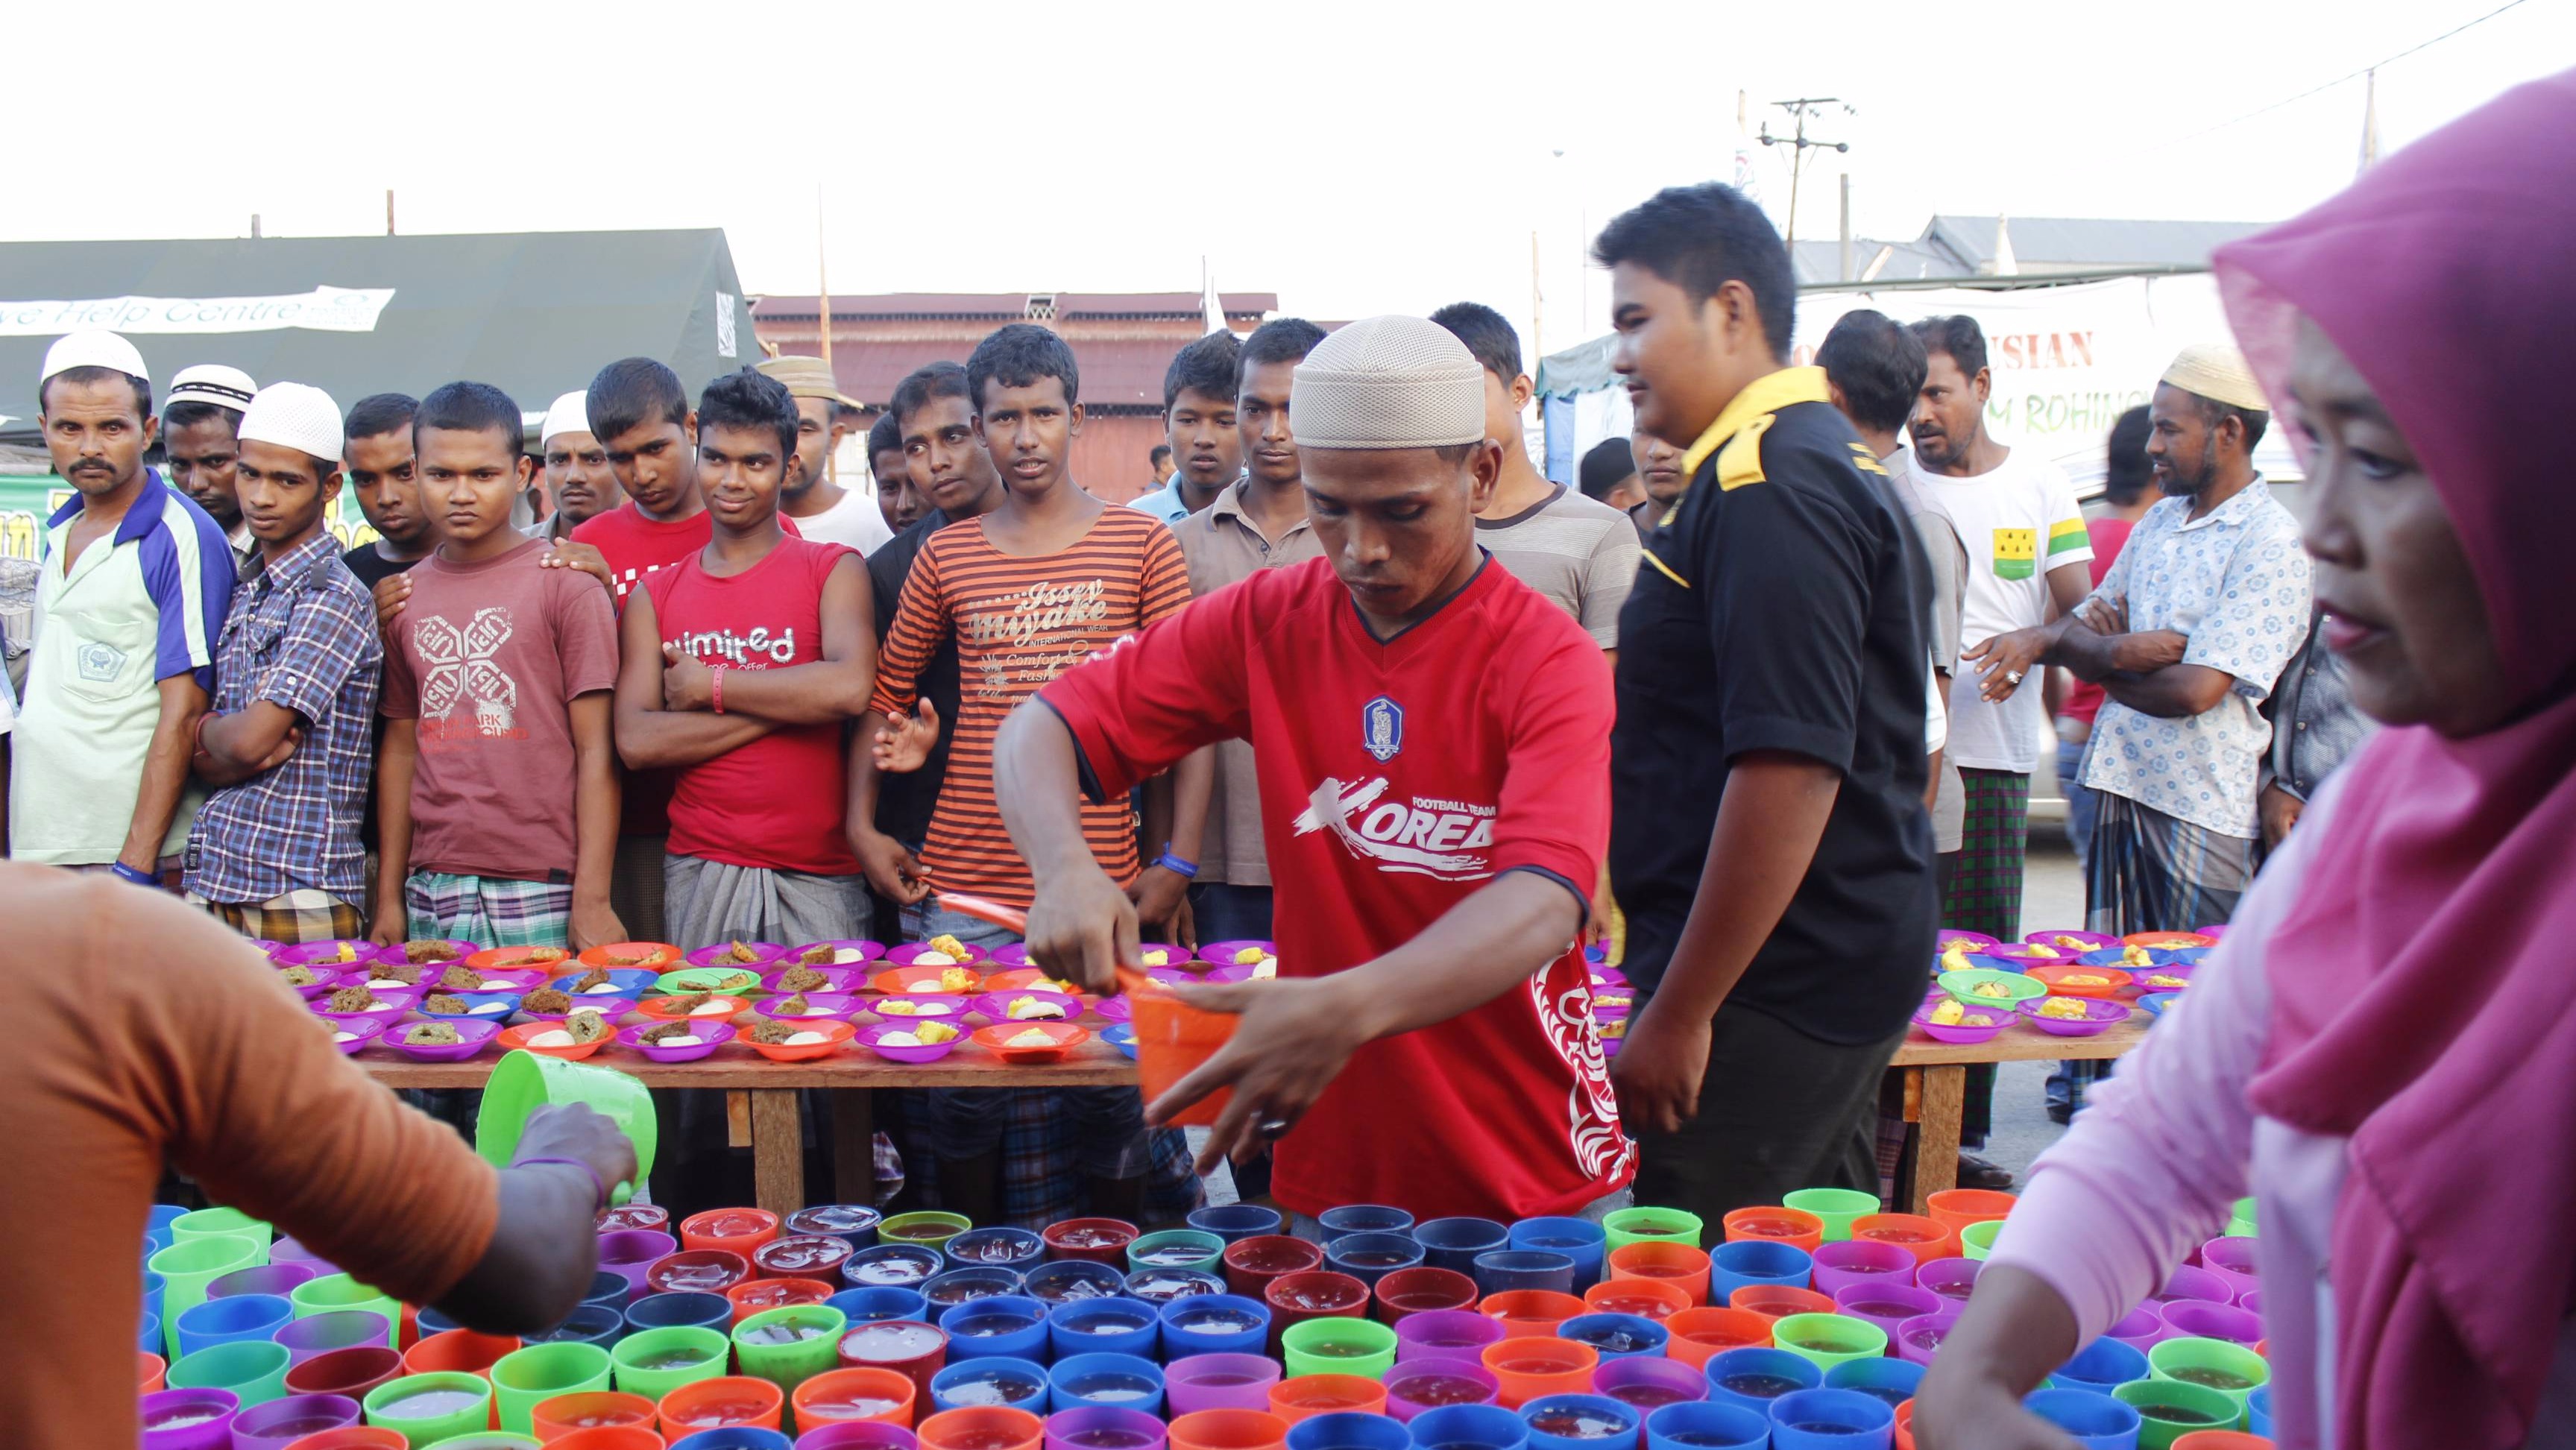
[[2424, 987]]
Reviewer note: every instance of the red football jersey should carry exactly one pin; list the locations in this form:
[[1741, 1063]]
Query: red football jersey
[[1397, 779]]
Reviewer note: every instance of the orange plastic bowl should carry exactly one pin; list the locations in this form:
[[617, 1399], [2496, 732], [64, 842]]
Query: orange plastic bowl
[[659, 1009], [2167, 939], [544, 959], [650, 956], [925, 982], [1026, 979], [1067, 1036], [515, 1039], [836, 1035], [2054, 978]]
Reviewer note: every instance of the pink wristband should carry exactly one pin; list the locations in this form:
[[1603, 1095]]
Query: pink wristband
[[717, 689]]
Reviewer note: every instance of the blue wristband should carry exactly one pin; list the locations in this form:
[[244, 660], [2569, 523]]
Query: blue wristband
[[124, 872], [1186, 870]]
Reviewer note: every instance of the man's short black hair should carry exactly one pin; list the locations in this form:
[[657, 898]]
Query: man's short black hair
[[885, 435], [1158, 453], [748, 401], [377, 414], [1016, 356], [472, 408], [2125, 470], [1699, 238], [1606, 465], [630, 393], [1878, 365], [1212, 365], [1280, 340], [142, 386], [191, 412], [1487, 335], [2212, 412], [1959, 336], [941, 379]]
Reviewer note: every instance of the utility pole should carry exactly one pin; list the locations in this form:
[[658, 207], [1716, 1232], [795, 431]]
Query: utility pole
[[254, 226], [2369, 120], [1843, 274], [1803, 110], [389, 211]]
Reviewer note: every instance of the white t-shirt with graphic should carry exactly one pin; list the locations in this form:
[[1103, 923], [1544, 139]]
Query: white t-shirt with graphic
[[2017, 521]]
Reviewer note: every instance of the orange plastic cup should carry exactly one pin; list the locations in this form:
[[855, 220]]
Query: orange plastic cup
[[1309, 1395], [2218, 1440], [1647, 1298], [1699, 1335], [1172, 1039], [1956, 1208], [735, 1230], [1925, 1238], [1525, 1369], [610, 1437], [1792, 1226], [982, 1427], [1905, 1426], [1534, 1312], [836, 1395], [461, 1351], [759, 1296], [1223, 1430], [354, 1437], [553, 1419], [149, 1371], [733, 1399], [1680, 1265], [1779, 1301]]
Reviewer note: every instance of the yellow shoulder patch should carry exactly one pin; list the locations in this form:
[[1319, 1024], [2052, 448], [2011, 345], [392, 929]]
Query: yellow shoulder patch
[[1740, 461], [1867, 462]]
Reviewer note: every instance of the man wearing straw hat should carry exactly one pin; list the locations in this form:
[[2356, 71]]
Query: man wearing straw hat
[[823, 510]]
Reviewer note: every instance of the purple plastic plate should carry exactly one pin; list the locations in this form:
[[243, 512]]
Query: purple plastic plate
[[996, 1006], [326, 981], [835, 979], [868, 951], [325, 954], [1114, 1009], [368, 1029], [1179, 958], [2179, 971], [1221, 953], [476, 1036], [396, 1004], [766, 951], [2083, 941], [2098, 1016], [1942, 1032], [397, 952], [822, 1007], [611, 1008], [872, 1038], [710, 1035], [1013, 954], [1974, 939], [903, 956], [928, 1009], [507, 979]]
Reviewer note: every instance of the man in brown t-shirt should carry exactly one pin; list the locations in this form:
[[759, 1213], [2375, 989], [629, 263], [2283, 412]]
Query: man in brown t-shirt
[[143, 1033]]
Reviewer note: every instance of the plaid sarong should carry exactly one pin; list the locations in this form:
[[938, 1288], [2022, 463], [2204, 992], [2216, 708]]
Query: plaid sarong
[[306, 914], [1985, 891], [2153, 872], [490, 911]]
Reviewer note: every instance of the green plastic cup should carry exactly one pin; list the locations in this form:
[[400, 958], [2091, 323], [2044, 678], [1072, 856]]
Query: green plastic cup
[[929, 1228], [2240, 1223], [2170, 1409], [429, 1408], [339, 1291], [523, 1081], [790, 1365], [2231, 1369], [1826, 1340], [254, 1369], [542, 1371], [1836, 1206], [1978, 1239], [210, 1222], [1339, 1346], [654, 1362], [1663, 1225], [1166, 1247], [186, 1269]]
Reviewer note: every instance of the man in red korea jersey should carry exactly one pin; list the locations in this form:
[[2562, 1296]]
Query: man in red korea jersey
[[1432, 741]]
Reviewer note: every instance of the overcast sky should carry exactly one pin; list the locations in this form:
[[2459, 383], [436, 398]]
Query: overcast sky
[[1353, 158]]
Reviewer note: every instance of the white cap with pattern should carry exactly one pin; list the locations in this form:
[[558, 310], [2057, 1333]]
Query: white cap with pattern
[[212, 383], [92, 349], [1388, 382], [295, 415], [570, 414]]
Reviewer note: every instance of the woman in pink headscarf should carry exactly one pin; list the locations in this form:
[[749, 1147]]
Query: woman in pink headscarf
[[2384, 1049]]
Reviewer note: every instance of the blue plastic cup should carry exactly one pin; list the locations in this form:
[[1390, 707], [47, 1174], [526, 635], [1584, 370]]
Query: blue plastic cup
[[1504, 1269], [998, 1379], [1235, 1222], [2101, 1367], [1616, 1336], [237, 1316], [151, 1341], [735, 1437], [429, 1321], [586, 1324], [1454, 1243], [611, 1288], [1105, 1326], [1888, 1378], [868, 1306], [1579, 1422], [1707, 1425], [957, 1286], [1579, 1239], [2258, 1410], [1754, 1376], [2098, 1422], [1362, 1218], [158, 1219], [1008, 1326], [1066, 1280], [1831, 1420], [903, 1266], [994, 1248], [1746, 1262], [154, 1286], [1369, 1257], [1347, 1430], [854, 1224], [1214, 1324], [679, 1311], [1115, 1381], [1469, 1427]]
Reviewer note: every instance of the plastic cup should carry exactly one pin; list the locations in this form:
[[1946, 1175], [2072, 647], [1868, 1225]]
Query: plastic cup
[[339, 1291], [703, 1311], [459, 1350], [1316, 1294], [210, 1222], [1099, 1240], [1579, 1422], [1178, 1248], [868, 1306], [1648, 1382], [592, 1324], [619, 1437], [253, 1369], [2241, 1220], [542, 1371], [2096, 1421], [1526, 1369], [1632, 1225], [855, 1395], [277, 1279], [1228, 1430], [726, 1400], [1470, 1427], [1752, 1378], [2141, 1329], [1011, 1325], [1615, 1336], [1530, 1311], [1369, 1257], [1956, 1208], [1347, 1430], [283, 1421], [2190, 1281], [223, 1321], [1362, 1218], [946, 1291], [853, 1223], [994, 1379], [1300, 1397], [790, 1364], [362, 1437], [1918, 1339], [1126, 1381], [1697, 1335], [1251, 1264], [288, 1251], [1749, 1262], [981, 1248], [2222, 1440], [1685, 1266], [2170, 1409], [1235, 1222], [1419, 1386], [629, 1252], [2101, 1367], [186, 1268], [1888, 1305], [982, 1427], [2197, 1319], [552, 1419], [1707, 1425], [2258, 1410], [188, 1419], [1503, 1270], [1835, 1207], [352, 1372], [1823, 1419], [1977, 1240], [1172, 1040], [338, 1329], [1656, 1299], [1922, 1237], [654, 1362], [1337, 1345], [1219, 1382], [1891, 1380], [1454, 1243], [1829, 1339], [1422, 1290], [1779, 1301], [1446, 1334], [151, 1371], [1581, 1240], [907, 1346], [1105, 1427], [2231, 1369], [522, 1081], [1108, 1326], [1213, 1324], [1791, 1226], [858, 1435], [1854, 1262], [428, 1408]]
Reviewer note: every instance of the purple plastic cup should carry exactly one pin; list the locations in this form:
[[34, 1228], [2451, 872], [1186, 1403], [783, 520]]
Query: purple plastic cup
[[2141, 1328], [278, 1279], [288, 1251], [1919, 1338], [2187, 1282], [2199, 1319], [1446, 1334], [1847, 1262], [632, 1251], [1220, 1382], [1429, 1382], [1949, 1278], [2232, 1259], [857, 1435], [282, 1422], [2251, 1301], [1890, 1305], [1648, 1382], [189, 1419], [335, 1329], [1103, 1427]]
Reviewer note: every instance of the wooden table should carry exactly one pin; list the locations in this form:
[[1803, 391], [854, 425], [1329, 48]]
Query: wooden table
[[1936, 1085], [760, 1097]]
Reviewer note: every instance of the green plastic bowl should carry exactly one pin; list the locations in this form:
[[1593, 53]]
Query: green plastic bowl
[[2017, 988], [704, 979], [523, 1080]]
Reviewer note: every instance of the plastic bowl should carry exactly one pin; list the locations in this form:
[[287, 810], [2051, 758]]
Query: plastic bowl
[[2067, 940], [995, 1006], [472, 1037], [929, 981], [704, 979], [2016, 988], [873, 1038], [622, 981], [609, 1008], [841, 950], [518, 1039], [647, 955], [327, 955], [2168, 939], [1026, 978], [660, 1009], [508, 1003], [326, 980], [2054, 978], [1121, 1035], [925, 1007], [1065, 1036], [845, 980], [722, 954], [546, 960], [711, 1035], [364, 1030], [2098, 1017], [904, 953], [819, 1007], [2155, 1003], [395, 1005]]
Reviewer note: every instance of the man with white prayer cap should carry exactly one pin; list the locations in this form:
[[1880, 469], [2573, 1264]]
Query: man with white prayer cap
[[136, 582], [200, 427], [1432, 741], [578, 478], [275, 852]]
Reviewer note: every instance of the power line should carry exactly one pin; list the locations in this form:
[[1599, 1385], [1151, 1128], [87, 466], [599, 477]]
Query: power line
[[2356, 74]]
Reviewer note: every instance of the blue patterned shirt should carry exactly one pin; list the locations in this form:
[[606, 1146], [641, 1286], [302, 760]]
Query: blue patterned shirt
[[301, 634], [2236, 582]]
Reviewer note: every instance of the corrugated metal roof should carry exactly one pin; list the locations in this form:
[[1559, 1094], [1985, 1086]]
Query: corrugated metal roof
[[1012, 306], [2089, 242]]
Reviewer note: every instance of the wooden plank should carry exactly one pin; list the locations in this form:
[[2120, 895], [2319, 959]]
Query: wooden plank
[[737, 1119], [854, 1148], [777, 1151], [736, 1066], [2024, 1043], [1936, 1154]]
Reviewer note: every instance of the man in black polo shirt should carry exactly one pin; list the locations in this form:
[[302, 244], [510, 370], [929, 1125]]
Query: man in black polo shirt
[[1768, 838]]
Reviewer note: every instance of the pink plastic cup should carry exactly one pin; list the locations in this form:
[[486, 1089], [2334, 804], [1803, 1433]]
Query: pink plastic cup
[[1848, 1262], [1220, 1382]]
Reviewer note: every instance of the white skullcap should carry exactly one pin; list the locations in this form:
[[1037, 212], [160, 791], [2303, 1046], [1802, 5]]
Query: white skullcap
[[297, 416], [1388, 382], [2217, 371], [570, 414], [212, 383], [93, 349]]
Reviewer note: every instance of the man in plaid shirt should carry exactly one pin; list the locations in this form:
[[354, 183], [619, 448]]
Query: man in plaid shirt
[[274, 852]]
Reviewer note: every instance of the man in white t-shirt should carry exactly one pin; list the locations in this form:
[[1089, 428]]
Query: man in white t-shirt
[[822, 509]]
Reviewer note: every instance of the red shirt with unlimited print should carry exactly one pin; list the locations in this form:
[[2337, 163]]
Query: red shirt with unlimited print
[[1397, 779]]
